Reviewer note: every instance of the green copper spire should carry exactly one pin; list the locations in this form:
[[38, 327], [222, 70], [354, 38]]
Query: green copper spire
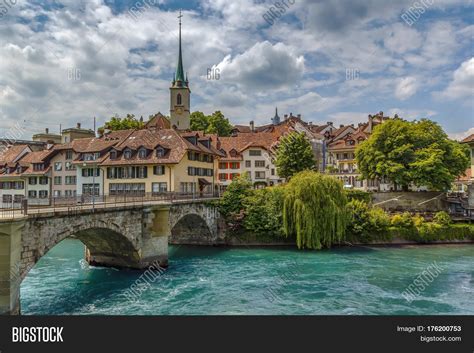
[[179, 78]]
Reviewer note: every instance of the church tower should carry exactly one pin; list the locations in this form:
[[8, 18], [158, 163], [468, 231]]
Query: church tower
[[180, 94]]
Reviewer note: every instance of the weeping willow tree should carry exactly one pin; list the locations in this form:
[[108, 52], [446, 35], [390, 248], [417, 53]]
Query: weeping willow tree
[[314, 210]]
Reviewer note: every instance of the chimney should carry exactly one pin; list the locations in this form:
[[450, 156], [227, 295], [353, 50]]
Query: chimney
[[329, 123], [310, 123], [299, 116], [341, 126], [286, 116], [46, 130], [252, 126], [78, 125], [352, 125]]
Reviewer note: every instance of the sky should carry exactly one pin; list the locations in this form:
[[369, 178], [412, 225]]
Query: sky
[[68, 61]]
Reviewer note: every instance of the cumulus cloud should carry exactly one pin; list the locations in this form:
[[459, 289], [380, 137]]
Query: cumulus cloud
[[263, 66], [462, 84], [406, 88]]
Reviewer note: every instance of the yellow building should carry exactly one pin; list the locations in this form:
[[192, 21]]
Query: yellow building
[[154, 161]]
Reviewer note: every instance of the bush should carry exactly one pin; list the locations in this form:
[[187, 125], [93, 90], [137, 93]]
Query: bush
[[442, 218], [366, 224], [403, 220], [263, 211]]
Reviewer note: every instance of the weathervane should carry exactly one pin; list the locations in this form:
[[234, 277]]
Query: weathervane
[[180, 16]]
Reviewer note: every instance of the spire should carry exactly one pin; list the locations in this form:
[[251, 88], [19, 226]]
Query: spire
[[276, 118], [179, 77]]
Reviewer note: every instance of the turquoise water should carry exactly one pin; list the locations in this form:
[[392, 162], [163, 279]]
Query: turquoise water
[[257, 281]]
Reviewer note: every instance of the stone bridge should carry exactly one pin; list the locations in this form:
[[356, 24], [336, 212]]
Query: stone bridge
[[126, 237]]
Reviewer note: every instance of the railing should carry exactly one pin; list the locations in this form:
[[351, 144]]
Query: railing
[[92, 203]]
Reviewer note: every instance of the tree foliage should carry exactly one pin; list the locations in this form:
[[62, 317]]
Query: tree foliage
[[263, 211], [294, 154], [116, 123], [366, 223], [418, 153], [216, 123], [232, 201], [314, 210]]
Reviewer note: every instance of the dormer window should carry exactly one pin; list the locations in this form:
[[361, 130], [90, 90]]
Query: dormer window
[[38, 166], [113, 155], [142, 153], [233, 153], [127, 154], [18, 169], [160, 152]]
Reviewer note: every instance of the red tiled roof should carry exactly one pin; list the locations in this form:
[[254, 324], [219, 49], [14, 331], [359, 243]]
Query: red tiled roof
[[468, 139], [9, 155], [159, 121]]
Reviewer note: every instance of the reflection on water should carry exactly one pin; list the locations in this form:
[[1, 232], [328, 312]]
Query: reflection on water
[[257, 281]]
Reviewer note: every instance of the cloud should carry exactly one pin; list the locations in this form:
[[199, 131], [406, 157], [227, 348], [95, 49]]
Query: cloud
[[459, 136], [462, 84], [263, 66], [406, 88]]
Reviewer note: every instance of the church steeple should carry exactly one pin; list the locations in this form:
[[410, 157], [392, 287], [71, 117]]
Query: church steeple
[[180, 94], [179, 79], [276, 118]]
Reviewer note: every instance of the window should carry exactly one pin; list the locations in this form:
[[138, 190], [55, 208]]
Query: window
[[70, 166], [160, 152], [193, 156], [142, 153], [142, 172], [91, 189], [255, 152], [89, 172], [188, 187], [7, 199], [222, 176], [259, 175], [57, 180], [58, 166], [235, 165], [69, 155], [192, 171], [43, 180], [113, 155], [159, 187], [43, 194], [57, 193], [18, 198], [222, 165], [70, 193], [273, 171], [259, 164], [248, 164], [159, 170], [38, 166], [32, 194], [70, 180], [179, 99], [32, 180], [127, 154], [91, 156], [127, 188]]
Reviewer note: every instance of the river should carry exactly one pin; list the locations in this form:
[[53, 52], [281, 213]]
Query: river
[[241, 281]]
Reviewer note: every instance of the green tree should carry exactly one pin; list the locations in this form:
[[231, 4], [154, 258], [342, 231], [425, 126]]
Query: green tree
[[232, 201], [216, 123], [219, 124], [263, 211], [417, 152], [116, 123], [314, 210], [294, 154], [199, 121]]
